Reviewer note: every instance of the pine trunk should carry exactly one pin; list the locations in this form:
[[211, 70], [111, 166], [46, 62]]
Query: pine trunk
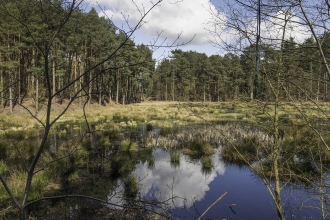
[[10, 93], [54, 85]]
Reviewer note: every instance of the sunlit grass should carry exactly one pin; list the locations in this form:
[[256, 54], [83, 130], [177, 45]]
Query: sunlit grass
[[16, 182], [128, 145], [183, 111]]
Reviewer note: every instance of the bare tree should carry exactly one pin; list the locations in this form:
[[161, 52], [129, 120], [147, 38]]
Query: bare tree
[[48, 120], [262, 24]]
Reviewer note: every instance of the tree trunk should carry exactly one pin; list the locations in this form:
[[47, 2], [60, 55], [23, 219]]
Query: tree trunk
[[276, 152], [117, 87], [110, 95], [204, 96], [37, 95], [81, 71], [54, 85], [10, 93], [19, 83], [173, 86], [90, 88], [1, 82]]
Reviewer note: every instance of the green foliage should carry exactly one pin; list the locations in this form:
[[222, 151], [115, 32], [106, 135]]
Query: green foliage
[[198, 148], [175, 158], [244, 150], [104, 142], [206, 162], [131, 186], [3, 167], [121, 165], [128, 146]]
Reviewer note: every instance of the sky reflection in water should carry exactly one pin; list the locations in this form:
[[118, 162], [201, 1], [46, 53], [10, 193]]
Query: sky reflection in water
[[248, 198]]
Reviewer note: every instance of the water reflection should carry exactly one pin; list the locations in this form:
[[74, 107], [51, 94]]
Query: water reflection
[[187, 180]]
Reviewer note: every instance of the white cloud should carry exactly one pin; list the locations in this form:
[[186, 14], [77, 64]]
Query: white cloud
[[274, 27], [172, 17]]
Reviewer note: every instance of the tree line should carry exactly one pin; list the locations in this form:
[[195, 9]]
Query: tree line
[[193, 76], [84, 41]]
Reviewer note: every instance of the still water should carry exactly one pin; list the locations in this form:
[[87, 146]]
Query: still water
[[247, 196]]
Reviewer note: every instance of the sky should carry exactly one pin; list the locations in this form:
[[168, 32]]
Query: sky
[[188, 19]]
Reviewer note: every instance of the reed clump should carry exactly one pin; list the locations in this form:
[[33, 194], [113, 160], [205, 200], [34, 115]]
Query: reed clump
[[131, 186], [244, 150], [128, 145], [175, 157], [198, 148]]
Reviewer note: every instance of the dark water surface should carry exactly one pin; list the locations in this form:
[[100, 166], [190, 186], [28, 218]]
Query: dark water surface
[[247, 198]]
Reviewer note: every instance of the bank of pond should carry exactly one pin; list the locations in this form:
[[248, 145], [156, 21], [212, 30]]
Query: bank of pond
[[165, 170]]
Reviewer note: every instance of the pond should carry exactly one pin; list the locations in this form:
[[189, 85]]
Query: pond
[[186, 185], [247, 197]]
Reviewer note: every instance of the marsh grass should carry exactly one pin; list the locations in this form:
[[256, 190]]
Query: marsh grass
[[198, 148], [128, 145], [103, 142], [244, 150], [3, 167], [16, 182], [175, 158], [206, 162], [207, 165], [27, 148], [73, 176], [120, 165], [3, 148], [151, 162], [131, 186]]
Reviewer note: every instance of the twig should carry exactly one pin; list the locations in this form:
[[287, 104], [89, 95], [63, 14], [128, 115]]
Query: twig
[[213, 204]]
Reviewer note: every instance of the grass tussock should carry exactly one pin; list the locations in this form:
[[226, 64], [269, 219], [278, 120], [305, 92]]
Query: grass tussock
[[131, 186], [3, 167], [198, 148], [16, 182], [206, 162], [175, 157], [128, 145], [245, 150]]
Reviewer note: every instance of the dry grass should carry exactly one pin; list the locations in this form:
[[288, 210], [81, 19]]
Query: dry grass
[[184, 112], [16, 182]]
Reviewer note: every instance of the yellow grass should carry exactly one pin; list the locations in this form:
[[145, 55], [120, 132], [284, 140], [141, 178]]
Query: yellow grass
[[183, 112]]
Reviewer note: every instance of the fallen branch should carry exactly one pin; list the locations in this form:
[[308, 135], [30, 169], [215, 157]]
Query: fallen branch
[[213, 204]]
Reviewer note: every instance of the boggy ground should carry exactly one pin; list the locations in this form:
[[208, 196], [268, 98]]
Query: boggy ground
[[162, 114], [186, 112]]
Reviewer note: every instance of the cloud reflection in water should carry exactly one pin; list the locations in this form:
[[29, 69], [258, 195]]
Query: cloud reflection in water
[[189, 180]]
